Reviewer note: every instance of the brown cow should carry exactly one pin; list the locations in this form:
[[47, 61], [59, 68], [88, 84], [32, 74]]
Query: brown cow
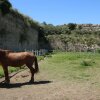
[[10, 58]]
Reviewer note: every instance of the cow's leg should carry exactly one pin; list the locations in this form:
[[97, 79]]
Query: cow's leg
[[32, 72], [5, 68]]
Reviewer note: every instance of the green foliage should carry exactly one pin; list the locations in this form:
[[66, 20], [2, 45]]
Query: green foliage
[[98, 50], [5, 6], [68, 29], [26, 19], [72, 26], [86, 63], [79, 27], [86, 41]]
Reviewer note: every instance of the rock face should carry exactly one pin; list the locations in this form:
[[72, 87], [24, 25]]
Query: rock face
[[15, 34]]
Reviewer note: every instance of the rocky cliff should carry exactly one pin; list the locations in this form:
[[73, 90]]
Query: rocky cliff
[[17, 32]]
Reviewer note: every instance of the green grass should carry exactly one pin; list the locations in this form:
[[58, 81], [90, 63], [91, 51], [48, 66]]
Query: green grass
[[40, 58], [72, 66], [11, 69], [1, 72], [69, 66]]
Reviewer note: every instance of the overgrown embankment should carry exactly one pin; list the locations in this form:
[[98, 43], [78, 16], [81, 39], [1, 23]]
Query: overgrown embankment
[[17, 31], [72, 37]]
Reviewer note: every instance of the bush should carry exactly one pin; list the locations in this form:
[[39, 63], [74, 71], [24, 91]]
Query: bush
[[98, 50], [5, 6], [85, 63]]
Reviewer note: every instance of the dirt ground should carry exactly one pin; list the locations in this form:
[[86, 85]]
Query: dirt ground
[[45, 89]]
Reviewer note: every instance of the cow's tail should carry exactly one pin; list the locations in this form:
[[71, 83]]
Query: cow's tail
[[36, 65]]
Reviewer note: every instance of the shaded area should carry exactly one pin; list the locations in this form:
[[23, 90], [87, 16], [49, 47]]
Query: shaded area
[[5, 6], [18, 85], [43, 42]]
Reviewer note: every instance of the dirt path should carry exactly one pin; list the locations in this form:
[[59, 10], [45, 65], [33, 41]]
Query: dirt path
[[44, 89]]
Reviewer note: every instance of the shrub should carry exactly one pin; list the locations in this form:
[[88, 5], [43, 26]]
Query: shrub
[[85, 63], [5, 6]]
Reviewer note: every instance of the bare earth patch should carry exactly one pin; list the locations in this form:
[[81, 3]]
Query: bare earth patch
[[47, 89]]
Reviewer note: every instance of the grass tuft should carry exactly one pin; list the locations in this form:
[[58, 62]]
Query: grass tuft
[[86, 63]]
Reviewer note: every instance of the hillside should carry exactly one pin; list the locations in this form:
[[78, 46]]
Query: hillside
[[17, 31], [72, 37]]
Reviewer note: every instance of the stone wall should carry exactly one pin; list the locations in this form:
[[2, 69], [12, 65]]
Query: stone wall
[[16, 35]]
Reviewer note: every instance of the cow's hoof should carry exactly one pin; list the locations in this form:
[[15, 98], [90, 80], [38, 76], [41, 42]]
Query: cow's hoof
[[7, 82], [31, 81]]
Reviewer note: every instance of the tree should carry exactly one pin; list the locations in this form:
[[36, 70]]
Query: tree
[[5, 6], [79, 27], [72, 26]]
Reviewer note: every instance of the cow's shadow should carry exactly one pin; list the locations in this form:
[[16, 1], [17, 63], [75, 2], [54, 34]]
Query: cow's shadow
[[18, 85]]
